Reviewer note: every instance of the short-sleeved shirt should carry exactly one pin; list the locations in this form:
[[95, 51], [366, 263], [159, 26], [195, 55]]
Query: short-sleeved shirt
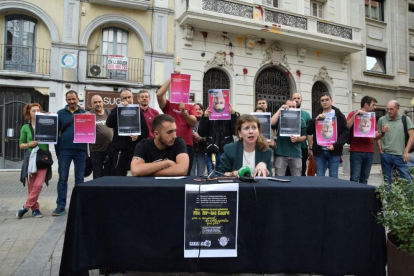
[[103, 133], [184, 130], [358, 143], [393, 141], [148, 151], [305, 116], [149, 115]]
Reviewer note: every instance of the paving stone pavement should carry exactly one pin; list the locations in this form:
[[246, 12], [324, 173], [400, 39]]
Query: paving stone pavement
[[33, 246]]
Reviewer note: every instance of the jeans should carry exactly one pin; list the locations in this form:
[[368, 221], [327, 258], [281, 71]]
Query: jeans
[[388, 161], [199, 164], [361, 163], [210, 165], [326, 160], [65, 158], [97, 158]]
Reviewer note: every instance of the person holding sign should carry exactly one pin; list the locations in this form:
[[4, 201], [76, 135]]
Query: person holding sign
[[361, 151], [327, 156], [288, 148], [251, 150], [34, 180], [123, 146], [164, 155]]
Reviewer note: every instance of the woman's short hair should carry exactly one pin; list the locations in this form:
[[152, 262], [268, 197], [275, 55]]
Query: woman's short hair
[[27, 108]]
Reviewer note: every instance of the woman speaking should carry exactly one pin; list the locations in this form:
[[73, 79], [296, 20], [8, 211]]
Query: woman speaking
[[251, 150]]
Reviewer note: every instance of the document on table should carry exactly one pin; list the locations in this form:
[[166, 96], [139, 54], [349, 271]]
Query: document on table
[[170, 177]]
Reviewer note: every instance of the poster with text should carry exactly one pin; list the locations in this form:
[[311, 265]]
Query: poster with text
[[290, 122], [46, 128], [84, 129], [180, 88], [219, 103], [364, 125], [129, 122], [326, 131], [264, 119], [211, 216]]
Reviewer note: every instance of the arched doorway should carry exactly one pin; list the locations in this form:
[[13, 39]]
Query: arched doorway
[[317, 89], [273, 85], [214, 79]]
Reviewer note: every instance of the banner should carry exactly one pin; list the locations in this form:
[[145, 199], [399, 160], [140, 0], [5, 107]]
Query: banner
[[264, 119], [211, 215], [180, 88], [117, 62], [46, 128], [290, 122], [219, 103], [84, 129], [326, 131], [129, 122], [364, 125]]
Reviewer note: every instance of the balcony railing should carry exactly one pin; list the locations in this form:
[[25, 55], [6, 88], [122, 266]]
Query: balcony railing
[[25, 58], [98, 67]]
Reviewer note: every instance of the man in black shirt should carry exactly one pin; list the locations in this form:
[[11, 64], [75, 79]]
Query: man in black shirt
[[163, 155]]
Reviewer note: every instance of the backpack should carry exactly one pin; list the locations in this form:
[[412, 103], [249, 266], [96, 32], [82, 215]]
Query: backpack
[[407, 136]]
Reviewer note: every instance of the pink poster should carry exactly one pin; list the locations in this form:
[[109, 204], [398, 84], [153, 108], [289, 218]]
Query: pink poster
[[84, 128], [180, 88], [364, 125], [326, 131], [219, 103]]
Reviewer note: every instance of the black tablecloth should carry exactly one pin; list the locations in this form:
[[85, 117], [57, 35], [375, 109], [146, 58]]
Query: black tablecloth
[[316, 225]]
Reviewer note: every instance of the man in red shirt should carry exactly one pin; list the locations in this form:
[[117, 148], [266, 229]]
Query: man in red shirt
[[149, 113], [185, 117], [361, 152]]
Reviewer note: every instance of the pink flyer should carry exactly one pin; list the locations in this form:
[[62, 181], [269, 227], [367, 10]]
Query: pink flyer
[[364, 125], [326, 131], [180, 88], [219, 103], [84, 128]]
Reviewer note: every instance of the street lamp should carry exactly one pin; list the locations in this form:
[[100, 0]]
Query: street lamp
[[412, 112]]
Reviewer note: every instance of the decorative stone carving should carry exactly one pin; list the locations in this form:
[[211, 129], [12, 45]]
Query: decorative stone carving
[[322, 75], [250, 41], [219, 59], [188, 35], [276, 55], [302, 52], [345, 61]]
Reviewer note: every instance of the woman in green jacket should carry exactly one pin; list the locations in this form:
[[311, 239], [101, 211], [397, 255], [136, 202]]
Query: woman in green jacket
[[251, 150], [35, 180]]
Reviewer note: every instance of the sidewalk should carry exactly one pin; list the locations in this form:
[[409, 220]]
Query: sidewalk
[[33, 246]]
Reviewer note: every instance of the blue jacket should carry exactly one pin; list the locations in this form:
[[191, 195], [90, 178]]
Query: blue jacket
[[65, 141]]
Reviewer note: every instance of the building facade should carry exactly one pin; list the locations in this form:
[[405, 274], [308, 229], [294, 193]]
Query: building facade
[[93, 46]]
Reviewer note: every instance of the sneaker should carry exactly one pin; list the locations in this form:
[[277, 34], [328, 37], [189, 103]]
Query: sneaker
[[37, 214], [59, 211], [21, 212]]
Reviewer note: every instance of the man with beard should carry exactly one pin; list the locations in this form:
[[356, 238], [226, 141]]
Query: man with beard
[[149, 113], [164, 155], [261, 102]]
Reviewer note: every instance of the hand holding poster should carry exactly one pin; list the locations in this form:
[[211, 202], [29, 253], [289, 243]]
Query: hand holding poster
[[364, 125], [264, 119], [129, 122], [219, 103], [290, 122], [46, 128], [326, 131], [84, 128], [180, 88], [211, 215]]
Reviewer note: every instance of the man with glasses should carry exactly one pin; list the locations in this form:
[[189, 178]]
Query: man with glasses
[[149, 113], [328, 156], [394, 152]]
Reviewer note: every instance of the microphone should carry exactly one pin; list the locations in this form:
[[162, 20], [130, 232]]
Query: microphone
[[245, 174], [213, 160]]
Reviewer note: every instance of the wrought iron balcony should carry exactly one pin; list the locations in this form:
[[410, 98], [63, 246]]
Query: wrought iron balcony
[[130, 4], [115, 67], [25, 58]]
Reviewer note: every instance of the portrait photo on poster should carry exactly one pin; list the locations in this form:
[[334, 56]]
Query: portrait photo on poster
[[129, 122], [46, 128], [326, 131], [364, 125], [219, 103]]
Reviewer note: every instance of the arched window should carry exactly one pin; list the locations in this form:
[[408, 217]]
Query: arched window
[[214, 79], [272, 84], [317, 89], [115, 42], [20, 42]]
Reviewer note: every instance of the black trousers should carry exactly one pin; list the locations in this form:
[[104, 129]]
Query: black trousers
[[97, 158], [304, 159], [190, 151], [121, 161]]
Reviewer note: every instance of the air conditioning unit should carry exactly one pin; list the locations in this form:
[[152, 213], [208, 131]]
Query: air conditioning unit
[[270, 3], [98, 71]]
